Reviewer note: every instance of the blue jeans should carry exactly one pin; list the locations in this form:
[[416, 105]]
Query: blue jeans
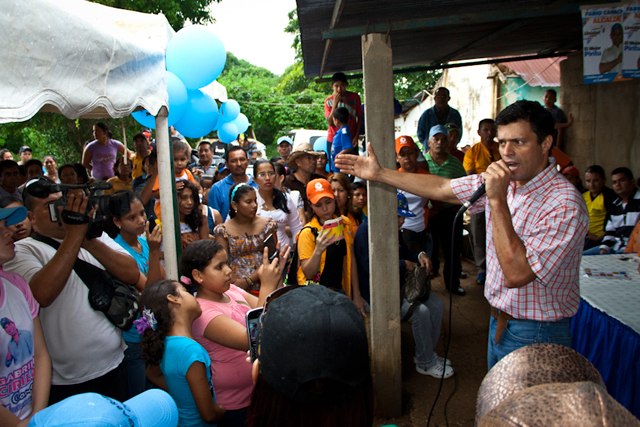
[[520, 333], [425, 325], [137, 381]]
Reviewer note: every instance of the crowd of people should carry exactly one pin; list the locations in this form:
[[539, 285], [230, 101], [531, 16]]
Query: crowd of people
[[249, 226]]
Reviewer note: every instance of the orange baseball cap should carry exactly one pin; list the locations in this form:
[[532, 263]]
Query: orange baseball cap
[[404, 141], [317, 189]]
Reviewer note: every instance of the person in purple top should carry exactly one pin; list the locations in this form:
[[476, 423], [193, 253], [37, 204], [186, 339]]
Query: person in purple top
[[100, 154]]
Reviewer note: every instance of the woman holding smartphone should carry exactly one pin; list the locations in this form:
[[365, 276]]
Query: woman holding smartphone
[[325, 247]]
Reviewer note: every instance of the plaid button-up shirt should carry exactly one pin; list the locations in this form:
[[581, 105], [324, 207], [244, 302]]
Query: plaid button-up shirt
[[551, 219]]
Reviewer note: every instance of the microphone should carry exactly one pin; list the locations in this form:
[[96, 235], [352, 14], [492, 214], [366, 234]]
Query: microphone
[[41, 187], [474, 198]]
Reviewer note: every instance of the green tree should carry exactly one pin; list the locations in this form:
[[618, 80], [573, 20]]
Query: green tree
[[176, 11]]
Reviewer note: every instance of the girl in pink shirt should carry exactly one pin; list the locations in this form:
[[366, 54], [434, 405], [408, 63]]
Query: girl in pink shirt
[[221, 328]]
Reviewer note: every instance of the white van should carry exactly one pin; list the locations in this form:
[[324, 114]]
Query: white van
[[306, 135]]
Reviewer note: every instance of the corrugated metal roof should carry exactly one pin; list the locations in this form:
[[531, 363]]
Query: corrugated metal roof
[[538, 72], [435, 31]]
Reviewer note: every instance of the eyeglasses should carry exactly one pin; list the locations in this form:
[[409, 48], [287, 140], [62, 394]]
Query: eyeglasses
[[263, 175]]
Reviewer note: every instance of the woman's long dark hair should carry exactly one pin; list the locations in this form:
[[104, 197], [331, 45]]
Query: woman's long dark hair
[[279, 198], [154, 299], [194, 219], [110, 227]]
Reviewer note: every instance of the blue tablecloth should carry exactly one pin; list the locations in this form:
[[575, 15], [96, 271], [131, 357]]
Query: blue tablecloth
[[614, 349]]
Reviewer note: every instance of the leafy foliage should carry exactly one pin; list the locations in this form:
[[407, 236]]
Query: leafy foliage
[[176, 11]]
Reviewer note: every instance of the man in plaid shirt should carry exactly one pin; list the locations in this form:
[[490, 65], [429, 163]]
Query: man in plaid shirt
[[536, 223]]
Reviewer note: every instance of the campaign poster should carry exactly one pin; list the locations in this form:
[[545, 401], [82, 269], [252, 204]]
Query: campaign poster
[[602, 47], [631, 55]]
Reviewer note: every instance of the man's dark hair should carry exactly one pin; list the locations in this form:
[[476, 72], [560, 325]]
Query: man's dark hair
[[341, 114], [153, 158], [140, 136], [483, 121], [204, 142], [5, 150], [232, 149], [7, 164], [540, 120], [553, 91], [339, 77], [356, 185], [32, 162], [616, 171], [596, 169]]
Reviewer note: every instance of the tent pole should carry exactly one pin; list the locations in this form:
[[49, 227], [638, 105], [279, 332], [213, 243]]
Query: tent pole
[[166, 181]]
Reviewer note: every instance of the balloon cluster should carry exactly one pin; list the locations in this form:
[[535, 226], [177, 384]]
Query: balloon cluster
[[195, 58]]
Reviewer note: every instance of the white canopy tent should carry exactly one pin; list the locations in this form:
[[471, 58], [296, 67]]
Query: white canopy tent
[[87, 60]]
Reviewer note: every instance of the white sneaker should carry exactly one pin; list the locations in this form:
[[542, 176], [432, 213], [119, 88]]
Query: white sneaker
[[439, 360], [436, 371]]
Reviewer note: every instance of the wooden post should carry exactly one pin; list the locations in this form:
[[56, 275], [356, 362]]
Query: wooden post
[[167, 184], [383, 229]]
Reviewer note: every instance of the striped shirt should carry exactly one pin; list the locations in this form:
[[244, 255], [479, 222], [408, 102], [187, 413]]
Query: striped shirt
[[623, 219], [551, 219], [451, 168]]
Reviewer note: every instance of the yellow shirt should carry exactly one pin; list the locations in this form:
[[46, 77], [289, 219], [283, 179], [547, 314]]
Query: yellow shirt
[[478, 158], [597, 212], [307, 244], [118, 185], [136, 166]]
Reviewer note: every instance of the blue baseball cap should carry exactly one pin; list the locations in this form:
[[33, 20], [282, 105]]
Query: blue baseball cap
[[13, 215], [403, 207], [153, 408], [284, 139], [438, 129]]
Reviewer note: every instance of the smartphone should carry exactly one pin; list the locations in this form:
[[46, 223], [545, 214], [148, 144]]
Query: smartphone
[[253, 324], [335, 228], [270, 243]]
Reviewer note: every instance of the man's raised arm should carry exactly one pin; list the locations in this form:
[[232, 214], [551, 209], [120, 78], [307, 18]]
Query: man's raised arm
[[430, 186]]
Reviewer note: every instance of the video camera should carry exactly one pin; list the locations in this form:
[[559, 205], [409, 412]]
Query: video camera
[[115, 204]]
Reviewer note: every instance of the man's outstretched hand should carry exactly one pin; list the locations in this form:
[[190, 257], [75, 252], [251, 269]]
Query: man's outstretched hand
[[363, 167]]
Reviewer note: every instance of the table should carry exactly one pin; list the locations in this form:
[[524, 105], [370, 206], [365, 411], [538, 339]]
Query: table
[[606, 328]]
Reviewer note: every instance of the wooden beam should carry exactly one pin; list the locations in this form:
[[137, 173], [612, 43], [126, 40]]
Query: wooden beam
[[460, 64], [503, 14], [338, 7], [386, 365], [482, 41]]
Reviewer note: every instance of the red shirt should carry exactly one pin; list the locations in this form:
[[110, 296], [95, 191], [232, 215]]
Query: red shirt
[[353, 104], [551, 219]]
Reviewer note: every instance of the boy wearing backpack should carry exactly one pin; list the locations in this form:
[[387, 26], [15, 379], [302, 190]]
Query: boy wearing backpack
[[426, 318]]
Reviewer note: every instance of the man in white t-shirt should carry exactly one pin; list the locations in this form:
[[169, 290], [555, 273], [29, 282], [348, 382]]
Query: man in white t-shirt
[[86, 349], [611, 61]]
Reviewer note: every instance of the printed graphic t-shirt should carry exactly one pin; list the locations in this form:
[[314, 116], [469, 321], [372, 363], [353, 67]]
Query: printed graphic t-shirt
[[18, 308]]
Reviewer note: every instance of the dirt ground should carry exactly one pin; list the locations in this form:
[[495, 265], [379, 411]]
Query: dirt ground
[[468, 355]]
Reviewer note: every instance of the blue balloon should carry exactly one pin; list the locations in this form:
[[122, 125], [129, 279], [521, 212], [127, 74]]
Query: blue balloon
[[178, 98], [241, 122], [230, 111], [228, 132], [219, 122], [200, 116], [144, 118], [196, 55]]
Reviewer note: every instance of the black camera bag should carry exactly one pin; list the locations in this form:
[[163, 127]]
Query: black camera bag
[[118, 301]]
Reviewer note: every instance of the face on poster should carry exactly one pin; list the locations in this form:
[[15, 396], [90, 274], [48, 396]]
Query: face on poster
[[631, 55], [602, 44]]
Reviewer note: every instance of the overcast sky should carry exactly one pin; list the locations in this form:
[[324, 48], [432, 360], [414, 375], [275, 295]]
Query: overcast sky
[[254, 30]]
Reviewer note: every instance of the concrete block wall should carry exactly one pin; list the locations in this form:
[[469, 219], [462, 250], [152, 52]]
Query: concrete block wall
[[606, 120]]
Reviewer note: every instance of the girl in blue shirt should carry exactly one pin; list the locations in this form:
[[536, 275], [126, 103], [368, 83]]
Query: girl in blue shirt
[[132, 224], [175, 362]]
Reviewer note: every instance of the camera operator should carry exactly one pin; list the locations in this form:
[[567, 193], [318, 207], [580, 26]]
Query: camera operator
[[87, 350]]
